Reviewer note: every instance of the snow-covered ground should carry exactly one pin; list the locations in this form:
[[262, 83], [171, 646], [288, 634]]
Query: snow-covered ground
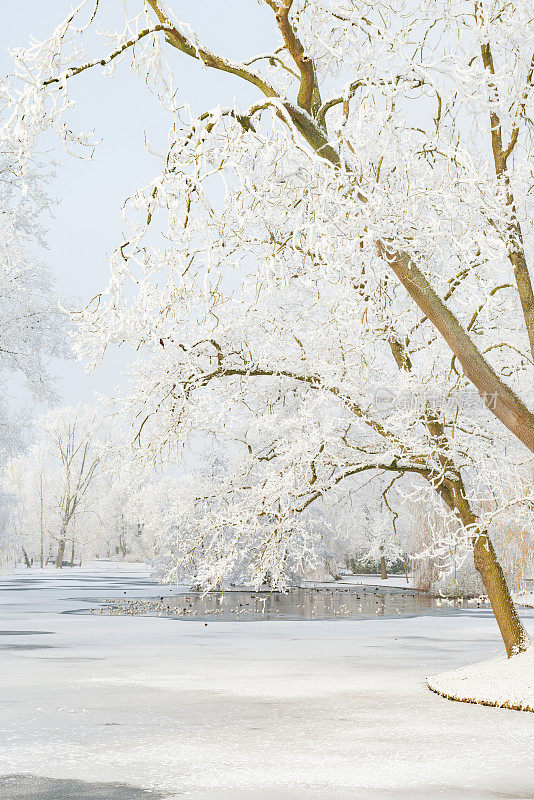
[[242, 710], [524, 598], [395, 581], [505, 682]]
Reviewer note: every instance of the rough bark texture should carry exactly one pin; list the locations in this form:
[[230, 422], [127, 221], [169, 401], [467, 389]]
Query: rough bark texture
[[486, 561], [514, 635], [512, 631], [383, 570]]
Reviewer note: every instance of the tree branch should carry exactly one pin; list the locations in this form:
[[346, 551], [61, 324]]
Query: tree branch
[[516, 249], [72, 71], [209, 59], [504, 403], [313, 381], [508, 408], [520, 110], [393, 466], [308, 96]]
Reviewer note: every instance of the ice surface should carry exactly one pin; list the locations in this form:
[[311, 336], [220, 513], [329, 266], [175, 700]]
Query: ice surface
[[262, 710], [32, 787]]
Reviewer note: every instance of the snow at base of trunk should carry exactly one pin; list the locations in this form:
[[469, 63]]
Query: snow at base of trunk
[[503, 682]]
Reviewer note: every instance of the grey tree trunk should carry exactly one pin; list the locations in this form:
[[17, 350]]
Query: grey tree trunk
[[61, 548]]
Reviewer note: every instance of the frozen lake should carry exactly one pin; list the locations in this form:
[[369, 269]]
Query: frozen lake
[[330, 603], [33, 787], [121, 707]]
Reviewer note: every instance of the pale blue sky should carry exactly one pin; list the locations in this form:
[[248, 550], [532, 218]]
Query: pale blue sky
[[87, 223]]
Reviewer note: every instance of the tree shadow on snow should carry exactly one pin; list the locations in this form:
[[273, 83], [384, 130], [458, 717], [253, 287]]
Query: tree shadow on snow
[[33, 787]]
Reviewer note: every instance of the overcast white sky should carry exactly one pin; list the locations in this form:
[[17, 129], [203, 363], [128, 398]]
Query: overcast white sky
[[87, 224]]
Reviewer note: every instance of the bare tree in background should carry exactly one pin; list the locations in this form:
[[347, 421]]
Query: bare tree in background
[[77, 453]]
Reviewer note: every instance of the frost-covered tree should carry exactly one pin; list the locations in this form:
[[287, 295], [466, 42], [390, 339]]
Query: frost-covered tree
[[9, 541], [32, 327], [378, 533], [74, 493], [120, 502], [32, 512], [322, 283], [77, 454]]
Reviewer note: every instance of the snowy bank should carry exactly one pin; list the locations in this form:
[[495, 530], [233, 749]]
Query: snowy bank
[[394, 581], [502, 682], [525, 598]]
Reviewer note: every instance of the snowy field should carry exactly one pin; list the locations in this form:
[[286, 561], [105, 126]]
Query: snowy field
[[162, 708]]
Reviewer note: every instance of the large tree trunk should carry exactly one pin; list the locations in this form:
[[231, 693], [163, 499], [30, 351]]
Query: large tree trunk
[[514, 636], [486, 562], [61, 547], [383, 570], [26, 559], [72, 554], [498, 397]]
